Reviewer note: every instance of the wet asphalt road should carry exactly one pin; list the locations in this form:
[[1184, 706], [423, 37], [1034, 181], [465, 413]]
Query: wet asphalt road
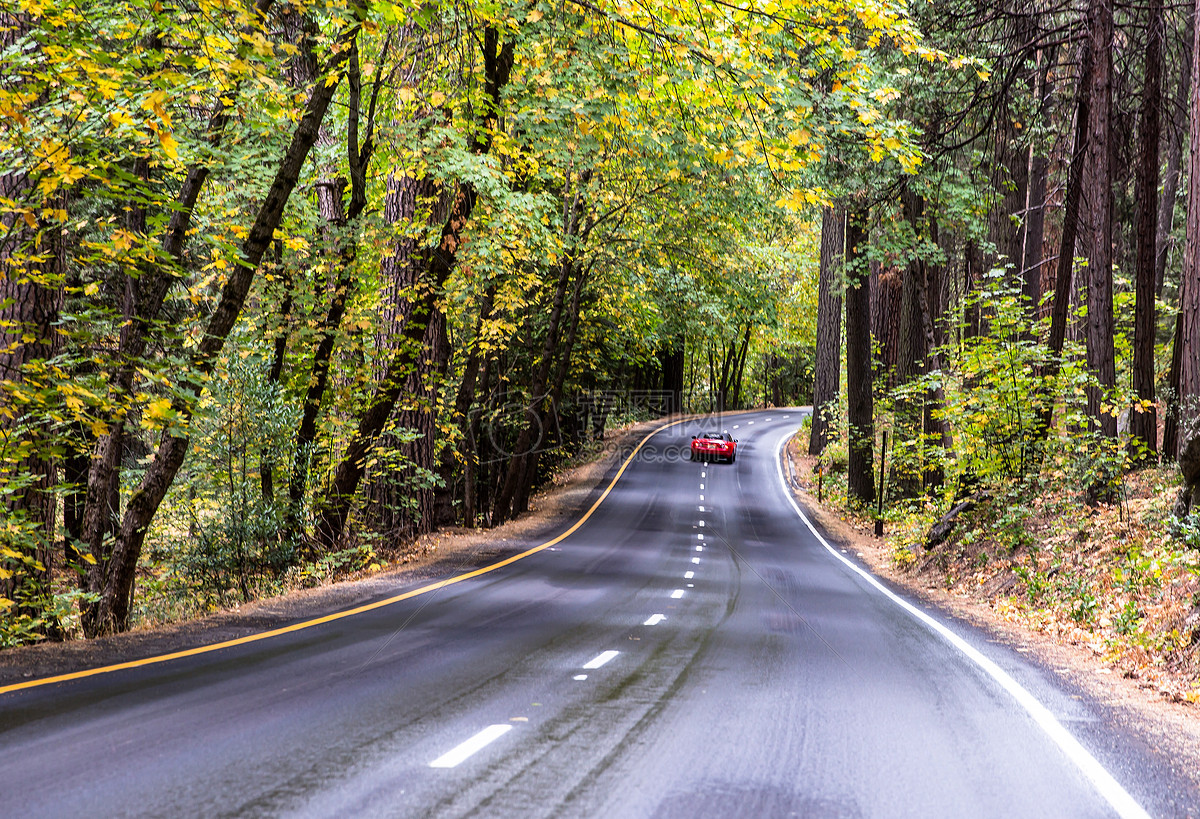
[[754, 675]]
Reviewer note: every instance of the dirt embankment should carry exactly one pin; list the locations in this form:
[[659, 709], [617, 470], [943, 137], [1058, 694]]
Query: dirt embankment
[[441, 554], [1152, 711]]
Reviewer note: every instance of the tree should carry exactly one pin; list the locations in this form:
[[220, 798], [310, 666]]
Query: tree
[[1143, 420], [1189, 309], [1100, 336], [827, 371], [860, 416]]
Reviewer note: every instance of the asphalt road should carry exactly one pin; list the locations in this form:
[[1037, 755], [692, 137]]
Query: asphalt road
[[692, 650]]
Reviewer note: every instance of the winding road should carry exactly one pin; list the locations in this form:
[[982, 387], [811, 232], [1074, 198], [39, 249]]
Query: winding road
[[690, 649]]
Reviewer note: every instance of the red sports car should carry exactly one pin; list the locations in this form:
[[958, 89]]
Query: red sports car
[[714, 446]]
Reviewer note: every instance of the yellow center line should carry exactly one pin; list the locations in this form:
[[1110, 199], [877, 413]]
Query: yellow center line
[[329, 618]]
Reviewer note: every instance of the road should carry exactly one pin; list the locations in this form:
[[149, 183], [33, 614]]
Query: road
[[691, 650]]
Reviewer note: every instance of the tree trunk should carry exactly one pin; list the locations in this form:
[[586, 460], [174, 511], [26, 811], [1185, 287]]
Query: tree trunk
[[1143, 417], [1064, 275], [266, 469], [31, 299], [1189, 303], [935, 423], [860, 465], [1101, 354], [913, 355], [400, 504], [671, 360], [828, 365], [1170, 441], [1007, 218], [1170, 189], [886, 304], [973, 263]]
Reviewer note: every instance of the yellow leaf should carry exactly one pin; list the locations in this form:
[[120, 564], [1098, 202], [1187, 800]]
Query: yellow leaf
[[169, 145], [159, 409]]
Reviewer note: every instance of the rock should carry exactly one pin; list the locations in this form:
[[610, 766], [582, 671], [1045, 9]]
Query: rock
[[1188, 502], [1189, 460]]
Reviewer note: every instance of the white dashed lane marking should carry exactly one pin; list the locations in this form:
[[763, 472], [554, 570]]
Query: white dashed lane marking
[[688, 575], [655, 619], [465, 750], [600, 659], [678, 593], [696, 560]]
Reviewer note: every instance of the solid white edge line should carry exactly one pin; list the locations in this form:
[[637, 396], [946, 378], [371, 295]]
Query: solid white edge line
[[1108, 787], [600, 659], [464, 750]]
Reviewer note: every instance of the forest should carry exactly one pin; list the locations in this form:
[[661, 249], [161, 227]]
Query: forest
[[285, 284]]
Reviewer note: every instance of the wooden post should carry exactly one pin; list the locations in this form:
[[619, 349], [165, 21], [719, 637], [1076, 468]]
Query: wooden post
[[882, 476]]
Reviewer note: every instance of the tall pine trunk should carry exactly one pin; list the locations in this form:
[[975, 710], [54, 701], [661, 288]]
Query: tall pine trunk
[[1189, 303], [1101, 353], [1065, 269], [828, 365], [860, 409], [1143, 418]]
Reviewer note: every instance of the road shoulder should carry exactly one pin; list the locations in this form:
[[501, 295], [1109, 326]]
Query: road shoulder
[[1170, 728]]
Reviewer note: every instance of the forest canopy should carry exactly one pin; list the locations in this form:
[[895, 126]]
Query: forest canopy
[[286, 283]]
